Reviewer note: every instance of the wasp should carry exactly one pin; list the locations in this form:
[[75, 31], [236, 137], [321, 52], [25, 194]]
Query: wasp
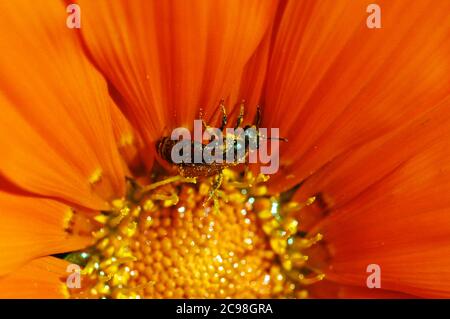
[[241, 145]]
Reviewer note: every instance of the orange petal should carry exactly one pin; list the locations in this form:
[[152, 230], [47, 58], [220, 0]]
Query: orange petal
[[39, 279], [334, 84], [348, 175], [56, 133], [327, 290], [48, 173], [33, 227], [168, 59], [401, 223], [139, 159], [250, 86], [350, 292]]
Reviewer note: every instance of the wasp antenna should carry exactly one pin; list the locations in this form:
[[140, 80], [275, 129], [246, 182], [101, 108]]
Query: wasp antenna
[[241, 115], [283, 139]]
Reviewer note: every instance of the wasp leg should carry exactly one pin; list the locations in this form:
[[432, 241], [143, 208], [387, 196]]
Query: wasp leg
[[141, 191], [258, 117], [224, 115], [213, 191], [205, 126], [241, 115]]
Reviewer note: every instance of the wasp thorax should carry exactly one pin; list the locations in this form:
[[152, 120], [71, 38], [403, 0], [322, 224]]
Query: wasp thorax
[[212, 149]]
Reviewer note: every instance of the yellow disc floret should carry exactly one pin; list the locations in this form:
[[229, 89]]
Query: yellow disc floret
[[162, 242]]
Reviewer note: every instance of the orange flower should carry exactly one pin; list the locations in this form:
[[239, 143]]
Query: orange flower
[[363, 178]]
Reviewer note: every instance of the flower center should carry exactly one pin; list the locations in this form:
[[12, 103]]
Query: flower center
[[163, 242]]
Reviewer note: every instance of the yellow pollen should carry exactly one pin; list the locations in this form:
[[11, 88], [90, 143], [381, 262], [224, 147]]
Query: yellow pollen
[[96, 176], [126, 139], [68, 218], [162, 242]]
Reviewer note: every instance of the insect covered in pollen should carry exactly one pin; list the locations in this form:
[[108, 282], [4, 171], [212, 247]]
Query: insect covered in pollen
[[224, 150]]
